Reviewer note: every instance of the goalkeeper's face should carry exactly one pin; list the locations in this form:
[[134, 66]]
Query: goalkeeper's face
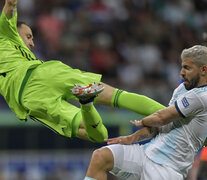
[[26, 34]]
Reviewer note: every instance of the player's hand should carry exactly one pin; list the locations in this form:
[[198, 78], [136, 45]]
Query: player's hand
[[120, 140], [137, 123]]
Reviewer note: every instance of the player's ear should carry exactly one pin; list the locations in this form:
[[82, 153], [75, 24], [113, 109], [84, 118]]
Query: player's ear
[[203, 70]]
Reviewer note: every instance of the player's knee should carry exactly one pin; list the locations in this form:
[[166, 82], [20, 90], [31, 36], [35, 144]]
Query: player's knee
[[102, 159], [98, 158]]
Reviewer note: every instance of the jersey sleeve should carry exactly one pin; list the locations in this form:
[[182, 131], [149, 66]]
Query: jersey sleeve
[[173, 97], [189, 104], [8, 27], [177, 92]]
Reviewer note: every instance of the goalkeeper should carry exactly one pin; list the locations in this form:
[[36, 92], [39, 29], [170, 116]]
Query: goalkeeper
[[41, 90]]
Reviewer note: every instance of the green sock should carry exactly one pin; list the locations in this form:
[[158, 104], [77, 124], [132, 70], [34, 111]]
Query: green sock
[[76, 123], [93, 125], [135, 102]]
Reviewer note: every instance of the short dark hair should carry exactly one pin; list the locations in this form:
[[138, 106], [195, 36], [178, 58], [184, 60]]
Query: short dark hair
[[19, 23]]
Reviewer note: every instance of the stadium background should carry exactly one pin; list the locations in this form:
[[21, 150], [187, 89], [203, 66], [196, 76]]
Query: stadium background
[[135, 44]]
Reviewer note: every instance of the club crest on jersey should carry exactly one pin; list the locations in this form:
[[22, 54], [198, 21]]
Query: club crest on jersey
[[185, 102]]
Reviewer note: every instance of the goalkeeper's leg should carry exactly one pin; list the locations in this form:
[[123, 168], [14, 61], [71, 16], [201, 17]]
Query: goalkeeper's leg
[[92, 122], [131, 101]]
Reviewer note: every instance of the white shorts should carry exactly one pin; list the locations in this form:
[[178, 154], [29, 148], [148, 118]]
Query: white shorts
[[131, 163]]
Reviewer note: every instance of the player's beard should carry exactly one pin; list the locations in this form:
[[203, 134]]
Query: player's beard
[[193, 82]]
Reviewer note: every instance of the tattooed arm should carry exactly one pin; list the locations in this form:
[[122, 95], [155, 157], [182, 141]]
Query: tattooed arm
[[140, 135]]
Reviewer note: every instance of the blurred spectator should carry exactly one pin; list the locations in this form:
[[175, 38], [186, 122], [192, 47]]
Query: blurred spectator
[[202, 173], [99, 13], [51, 29], [103, 58]]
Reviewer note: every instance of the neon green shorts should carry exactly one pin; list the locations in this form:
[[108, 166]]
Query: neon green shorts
[[47, 91]]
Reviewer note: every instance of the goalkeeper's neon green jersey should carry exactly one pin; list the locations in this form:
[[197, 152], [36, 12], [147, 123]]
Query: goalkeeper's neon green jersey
[[15, 60]]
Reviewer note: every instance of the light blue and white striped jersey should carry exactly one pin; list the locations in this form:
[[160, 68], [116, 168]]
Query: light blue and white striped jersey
[[179, 141]]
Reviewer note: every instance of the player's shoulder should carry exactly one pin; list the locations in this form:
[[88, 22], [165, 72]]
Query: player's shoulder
[[180, 89], [200, 90], [199, 93]]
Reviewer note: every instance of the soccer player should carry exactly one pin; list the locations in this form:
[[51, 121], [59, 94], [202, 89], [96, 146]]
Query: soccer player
[[41, 90], [179, 132]]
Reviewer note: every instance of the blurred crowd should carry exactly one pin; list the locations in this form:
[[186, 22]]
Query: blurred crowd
[[135, 44]]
